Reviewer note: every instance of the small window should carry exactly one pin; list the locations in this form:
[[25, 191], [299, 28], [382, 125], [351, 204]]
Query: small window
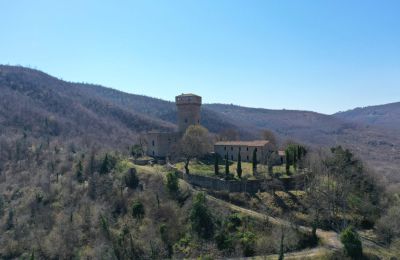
[[247, 148], [231, 148], [153, 153], [247, 157], [152, 142], [240, 148], [225, 148], [198, 121], [232, 157], [186, 120]]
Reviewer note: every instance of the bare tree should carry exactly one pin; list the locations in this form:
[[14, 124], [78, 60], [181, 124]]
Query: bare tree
[[229, 134], [195, 143], [270, 136]]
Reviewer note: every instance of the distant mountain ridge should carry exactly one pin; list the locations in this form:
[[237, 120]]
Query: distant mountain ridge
[[41, 105], [383, 116]]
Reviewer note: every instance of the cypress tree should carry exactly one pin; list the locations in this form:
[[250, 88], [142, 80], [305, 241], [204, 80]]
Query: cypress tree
[[239, 166], [226, 165], [254, 160], [287, 155], [216, 167]]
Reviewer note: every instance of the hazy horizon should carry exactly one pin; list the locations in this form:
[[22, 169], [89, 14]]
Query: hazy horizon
[[322, 57]]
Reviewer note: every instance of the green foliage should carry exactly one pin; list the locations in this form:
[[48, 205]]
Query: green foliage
[[131, 179], [294, 153], [224, 240], [200, 217], [172, 183], [352, 243], [105, 227], [255, 159], [79, 171], [10, 219], [108, 164], [136, 151], [226, 165], [234, 221], [216, 164], [247, 240], [138, 210], [239, 166]]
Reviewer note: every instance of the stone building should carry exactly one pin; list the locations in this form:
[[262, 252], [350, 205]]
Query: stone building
[[246, 148], [159, 144]]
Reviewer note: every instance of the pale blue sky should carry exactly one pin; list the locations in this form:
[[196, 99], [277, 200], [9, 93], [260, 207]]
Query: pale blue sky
[[315, 55]]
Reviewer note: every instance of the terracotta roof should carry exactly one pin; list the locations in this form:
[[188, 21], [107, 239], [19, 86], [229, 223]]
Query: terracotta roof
[[244, 143]]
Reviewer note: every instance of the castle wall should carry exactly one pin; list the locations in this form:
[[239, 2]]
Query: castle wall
[[159, 144]]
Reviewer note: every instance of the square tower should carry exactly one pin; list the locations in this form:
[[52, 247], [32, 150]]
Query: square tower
[[188, 110]]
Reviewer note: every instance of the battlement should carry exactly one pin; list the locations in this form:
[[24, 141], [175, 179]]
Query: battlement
[[188, 99]]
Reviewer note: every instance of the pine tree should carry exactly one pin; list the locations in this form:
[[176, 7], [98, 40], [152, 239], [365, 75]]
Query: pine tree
[[239, 166]]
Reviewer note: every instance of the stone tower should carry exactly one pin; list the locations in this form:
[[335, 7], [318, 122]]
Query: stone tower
[[188, 110]]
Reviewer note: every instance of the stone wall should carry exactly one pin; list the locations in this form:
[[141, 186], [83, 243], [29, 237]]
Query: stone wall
[[250, 186]]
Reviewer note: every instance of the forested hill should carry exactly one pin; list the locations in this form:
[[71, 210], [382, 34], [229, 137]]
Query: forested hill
[[35, 104], [384, 116]]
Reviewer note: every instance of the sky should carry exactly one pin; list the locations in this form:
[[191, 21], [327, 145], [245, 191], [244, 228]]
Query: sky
[[323, 56]]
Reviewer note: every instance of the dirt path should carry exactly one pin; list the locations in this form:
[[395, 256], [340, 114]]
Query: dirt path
[[329, 240]]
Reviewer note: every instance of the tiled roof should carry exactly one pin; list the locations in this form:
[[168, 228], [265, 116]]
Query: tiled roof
[[244, 143]]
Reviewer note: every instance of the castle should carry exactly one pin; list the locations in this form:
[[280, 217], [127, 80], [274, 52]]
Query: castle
[[160, 144]]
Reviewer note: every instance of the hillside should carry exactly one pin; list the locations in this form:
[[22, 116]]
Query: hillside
[[41, 106], [383, 116], [378, 147]]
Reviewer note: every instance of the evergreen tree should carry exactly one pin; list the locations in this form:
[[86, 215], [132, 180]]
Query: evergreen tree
[[254, 160], [172, 183], [239, 166], [79, 172], [105, 165], [352, 243], [287, 155], [216, 166], [201, 218], [131, 179], [226, 166]]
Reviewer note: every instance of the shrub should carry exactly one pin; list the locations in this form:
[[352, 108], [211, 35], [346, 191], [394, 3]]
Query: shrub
[[137, 210], [247, 240], [172, 183], [131, 179], [352, 243]]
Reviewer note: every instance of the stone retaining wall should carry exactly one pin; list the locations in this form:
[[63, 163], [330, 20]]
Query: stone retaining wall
[[251, 186]]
